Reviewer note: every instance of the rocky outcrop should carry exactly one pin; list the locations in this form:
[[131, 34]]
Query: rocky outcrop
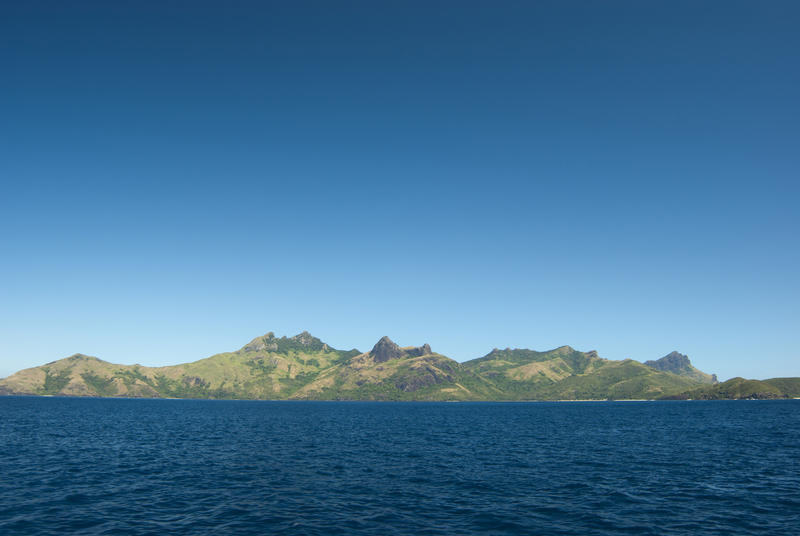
[[672, 362], [267, 343], [386, 349], [679, 364], [270, 343], [425, 349], [305, 339]]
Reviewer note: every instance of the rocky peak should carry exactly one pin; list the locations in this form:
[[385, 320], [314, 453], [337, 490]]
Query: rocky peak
[[305, 338], [425, 349], [302, 342], [78, 358], [264, 343], [679, 363], [676, 358], [672, 362], [386, 349]]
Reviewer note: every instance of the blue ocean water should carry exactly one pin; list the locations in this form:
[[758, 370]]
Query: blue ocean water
[[113, 466]]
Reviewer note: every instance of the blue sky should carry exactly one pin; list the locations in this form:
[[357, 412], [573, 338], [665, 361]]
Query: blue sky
[[180, 177]]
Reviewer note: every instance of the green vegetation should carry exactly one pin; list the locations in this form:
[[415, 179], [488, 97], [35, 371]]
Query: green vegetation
[[300, 344], [54, 382], [740, 388], [101, 385], [130, 377], [789, 387], [567, 374], [303, 367], [258, 366]]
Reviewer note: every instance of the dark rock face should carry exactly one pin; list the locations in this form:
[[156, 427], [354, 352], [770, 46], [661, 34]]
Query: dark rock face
[[386, 349], [679, 364], [425, 349], [672, 362]]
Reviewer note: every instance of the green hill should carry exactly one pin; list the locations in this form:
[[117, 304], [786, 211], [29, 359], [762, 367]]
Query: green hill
[[741, 388]]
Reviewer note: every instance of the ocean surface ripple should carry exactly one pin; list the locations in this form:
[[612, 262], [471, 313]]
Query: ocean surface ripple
[[114, 466]]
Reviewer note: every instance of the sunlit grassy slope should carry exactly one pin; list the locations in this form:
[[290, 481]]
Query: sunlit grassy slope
[[266, 368], [567, 374]]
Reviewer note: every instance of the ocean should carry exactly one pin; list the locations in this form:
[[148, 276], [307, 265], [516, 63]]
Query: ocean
[[174, 467]]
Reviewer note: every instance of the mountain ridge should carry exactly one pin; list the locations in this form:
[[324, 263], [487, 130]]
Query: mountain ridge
[[303, 367]]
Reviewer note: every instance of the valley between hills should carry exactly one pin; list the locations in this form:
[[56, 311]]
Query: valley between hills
[[305, 368]]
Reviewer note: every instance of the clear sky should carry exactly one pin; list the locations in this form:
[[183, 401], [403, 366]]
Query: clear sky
[[180, 177]]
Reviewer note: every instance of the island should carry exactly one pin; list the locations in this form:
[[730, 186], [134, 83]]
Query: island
[[303, 367]]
